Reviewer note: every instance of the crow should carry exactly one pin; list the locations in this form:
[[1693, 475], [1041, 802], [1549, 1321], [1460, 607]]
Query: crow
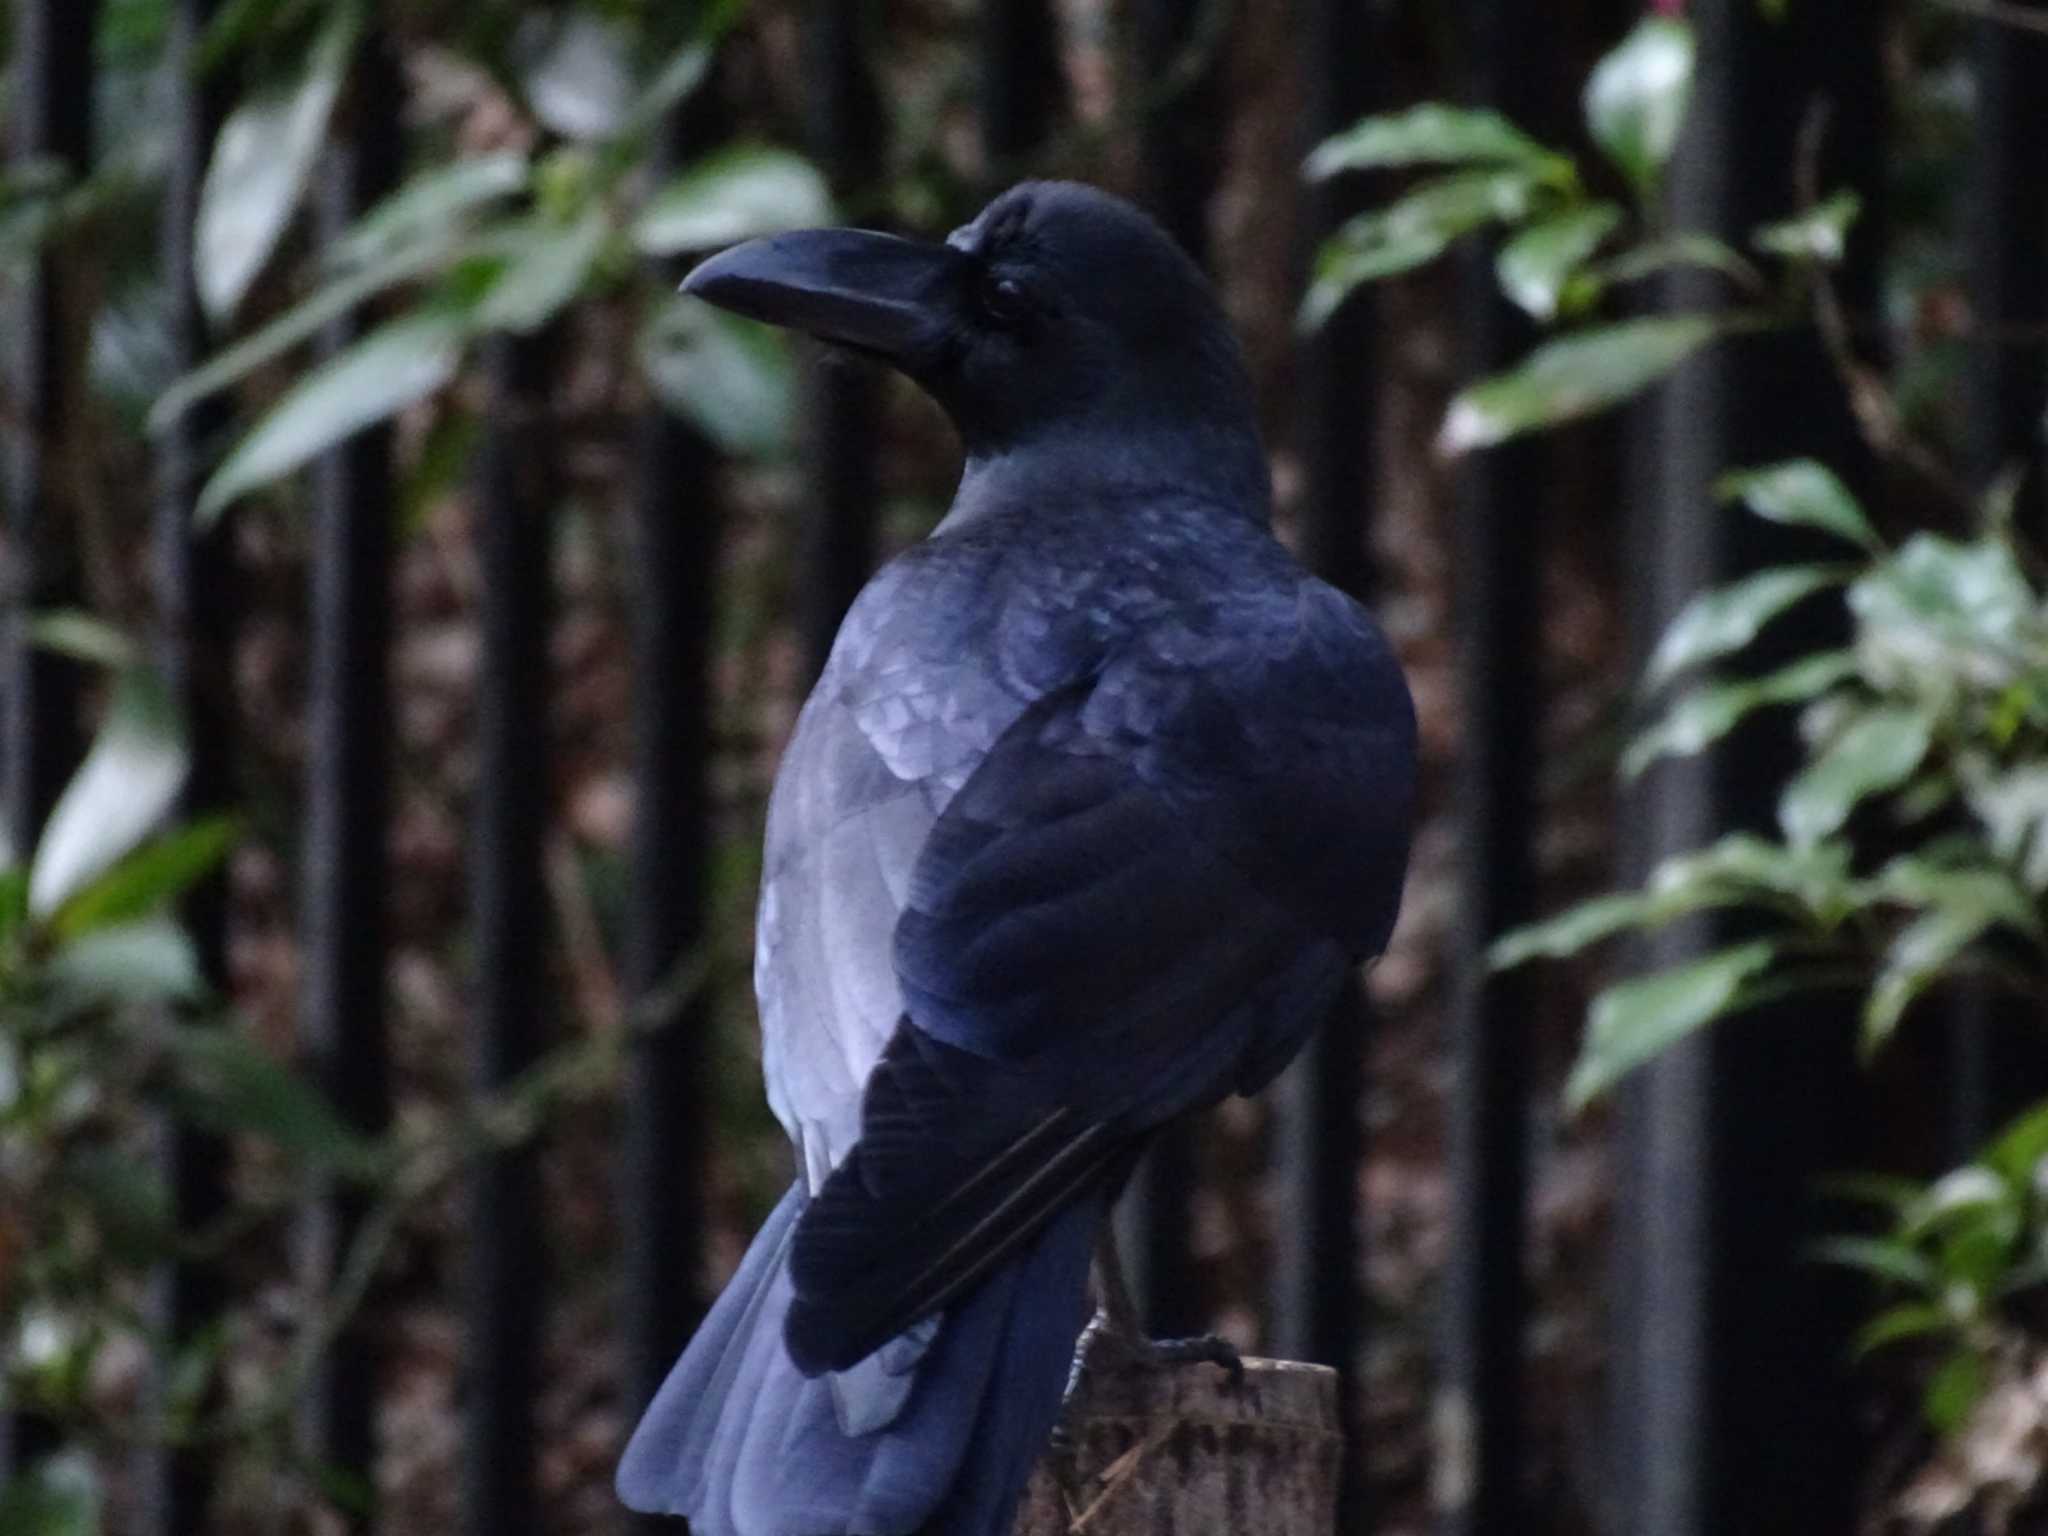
[[1097, 804]]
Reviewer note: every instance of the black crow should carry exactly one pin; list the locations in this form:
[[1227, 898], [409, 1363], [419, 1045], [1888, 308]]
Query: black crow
[[1099, 800]]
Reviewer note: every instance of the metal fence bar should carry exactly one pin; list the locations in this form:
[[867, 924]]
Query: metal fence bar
[[1179, 148], [2000, 1064], [675, 529], [1316, 1304], [344, 868], [1499, 503], [844, 128], [53, 121], [196, 593], [1021, 84], [506, 1261], [39, 738], [1732, 1409]]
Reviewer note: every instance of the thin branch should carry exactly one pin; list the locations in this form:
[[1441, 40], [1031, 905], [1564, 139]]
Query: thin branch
[[1877, 415]]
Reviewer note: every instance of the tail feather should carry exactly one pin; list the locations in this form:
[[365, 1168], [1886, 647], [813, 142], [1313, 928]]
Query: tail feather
[[743, 1444], [1022, 1400], [666, 1462]]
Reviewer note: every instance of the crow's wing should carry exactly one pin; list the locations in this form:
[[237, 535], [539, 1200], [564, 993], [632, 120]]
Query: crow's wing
[[1145, 895], [908, 706]]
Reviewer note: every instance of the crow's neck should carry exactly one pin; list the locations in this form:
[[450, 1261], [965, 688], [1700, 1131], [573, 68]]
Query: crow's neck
[[1218, 463]]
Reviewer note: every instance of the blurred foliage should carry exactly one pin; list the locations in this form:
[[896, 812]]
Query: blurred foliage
[[501, 242], [1566, 255], [109, 1033], [1911, 848]]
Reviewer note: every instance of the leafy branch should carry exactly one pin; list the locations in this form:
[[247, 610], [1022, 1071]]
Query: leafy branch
[[1911, 845], [1565, 253], [500, 242]]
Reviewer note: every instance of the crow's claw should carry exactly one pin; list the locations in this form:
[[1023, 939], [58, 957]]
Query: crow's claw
[[1204, 1349], [1208, 1348]]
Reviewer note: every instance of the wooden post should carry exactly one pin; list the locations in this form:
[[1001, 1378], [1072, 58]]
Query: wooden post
[[1178, 1450]]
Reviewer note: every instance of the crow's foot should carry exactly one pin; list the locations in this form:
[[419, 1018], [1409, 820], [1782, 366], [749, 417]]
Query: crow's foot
[[1117, 1321], [1204, 1349]]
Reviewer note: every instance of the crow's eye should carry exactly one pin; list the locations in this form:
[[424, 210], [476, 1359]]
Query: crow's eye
[[1002, 300]]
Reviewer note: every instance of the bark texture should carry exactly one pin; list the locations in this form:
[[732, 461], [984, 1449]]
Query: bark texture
[[1150, 1450]]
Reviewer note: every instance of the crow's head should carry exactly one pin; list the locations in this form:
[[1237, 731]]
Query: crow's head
[[1060, 309]]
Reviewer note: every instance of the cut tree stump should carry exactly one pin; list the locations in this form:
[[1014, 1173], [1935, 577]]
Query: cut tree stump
[[1177, 1450]]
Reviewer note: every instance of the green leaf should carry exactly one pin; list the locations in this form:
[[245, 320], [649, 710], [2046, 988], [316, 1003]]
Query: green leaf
[[1535, 265], [1728, 618], [1739, 870], [440, 464], [1958, 1386], [432, 206], [1884, 1258], [123, 788], [546, 266], [2017, 1152], [260, 168], [1436, 134], [1572, 930], [1969, 1196], [734, 195], [1940, 615], [13, 900], [1915, 960], [1895, 1325], [1742, 867], [225, 1082], [1820, 234], [300, 323], [1636, 99], [1879, 751], [1918, 880], [1703, 716], [84, 637], [732, 377], [394, 366], [1574, 376], [577, 72], [146, 879], [1416, 229], [150, 961], [1668, 252], [687, 68], [1803, 494], [1636, 1020], [2013, 806]]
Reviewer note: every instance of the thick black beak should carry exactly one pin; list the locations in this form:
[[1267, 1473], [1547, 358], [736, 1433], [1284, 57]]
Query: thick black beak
[[876, 292]]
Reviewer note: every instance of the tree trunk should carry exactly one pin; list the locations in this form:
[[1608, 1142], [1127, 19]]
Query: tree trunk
[[1176, 1450]]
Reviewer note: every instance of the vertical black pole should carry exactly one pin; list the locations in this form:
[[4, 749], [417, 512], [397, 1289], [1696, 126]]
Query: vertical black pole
[[53, 121], [2000, 1063], [344, 869], [1021, 84], [1316, 1300], [514, 503], [1730, 1366], [195, 588], [39, 736], [1181, 144], [844, 127], [675, 527], [1479, 1410]]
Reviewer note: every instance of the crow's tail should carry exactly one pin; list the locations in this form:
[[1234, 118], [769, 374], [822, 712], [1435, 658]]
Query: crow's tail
[[935, 1433]]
